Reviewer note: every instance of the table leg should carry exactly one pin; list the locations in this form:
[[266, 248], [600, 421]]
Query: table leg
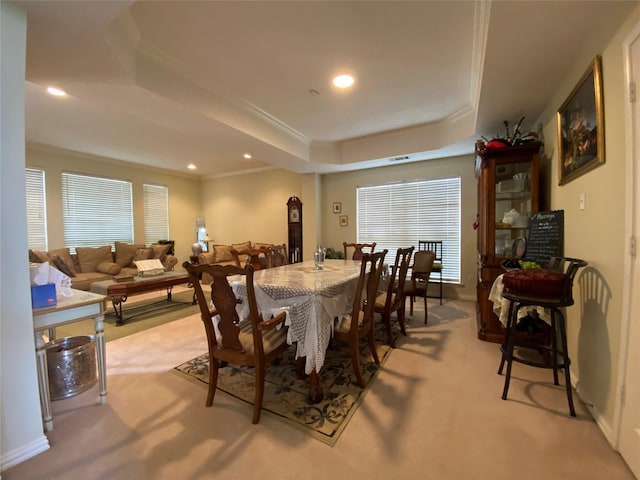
[[169, 293], [101, 357], [117, 302], [315, 390], [43, 382]]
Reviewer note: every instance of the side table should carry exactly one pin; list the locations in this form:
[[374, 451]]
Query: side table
[[82, 305]]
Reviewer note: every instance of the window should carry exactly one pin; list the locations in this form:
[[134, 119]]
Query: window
[[36, 209], [96, 211], [398, 215], [156, 213]]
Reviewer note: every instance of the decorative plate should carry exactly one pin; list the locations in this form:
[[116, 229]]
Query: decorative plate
[[519, 247]]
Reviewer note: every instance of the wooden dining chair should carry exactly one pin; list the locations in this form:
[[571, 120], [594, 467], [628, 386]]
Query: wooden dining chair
[[393, 299], [420, 273], [251, 341], [357, 252], [278, 255], [436, 247], [359, 324], [257, 257]]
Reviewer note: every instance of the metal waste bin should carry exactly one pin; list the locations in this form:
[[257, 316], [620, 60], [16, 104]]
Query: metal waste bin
[[71, 365]]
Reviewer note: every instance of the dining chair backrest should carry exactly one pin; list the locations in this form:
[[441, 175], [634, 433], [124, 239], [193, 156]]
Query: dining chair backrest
[[357, 252], [257, 257], [366, 290], [398, 275], [422, 264], [278, 255]]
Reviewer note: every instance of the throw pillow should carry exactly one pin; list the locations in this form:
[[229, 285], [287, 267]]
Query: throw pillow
[[142, 254], [65, 255], [38, 256], [241, 246], [160, 251], [89, 258], [109, 268], [58, 262], [125, 253], [222, 253]]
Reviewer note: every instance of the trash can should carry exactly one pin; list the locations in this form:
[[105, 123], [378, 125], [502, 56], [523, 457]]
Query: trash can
[[71, 365]]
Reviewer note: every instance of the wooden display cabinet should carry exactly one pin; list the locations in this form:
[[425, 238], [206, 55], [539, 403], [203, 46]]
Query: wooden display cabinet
[[508, 178]]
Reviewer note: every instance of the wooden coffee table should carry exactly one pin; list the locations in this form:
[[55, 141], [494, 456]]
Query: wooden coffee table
[[120, 291]]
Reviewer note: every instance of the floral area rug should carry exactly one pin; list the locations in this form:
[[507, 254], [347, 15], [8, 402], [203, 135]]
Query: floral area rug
[[286, 396]]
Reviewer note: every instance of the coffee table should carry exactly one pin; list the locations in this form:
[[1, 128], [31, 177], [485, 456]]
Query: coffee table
[[120, 291]]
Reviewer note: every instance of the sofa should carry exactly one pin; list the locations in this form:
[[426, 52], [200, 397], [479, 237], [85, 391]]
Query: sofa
[[221, 254], [93, 264]]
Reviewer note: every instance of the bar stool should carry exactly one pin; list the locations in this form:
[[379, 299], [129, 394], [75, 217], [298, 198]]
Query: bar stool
[[552, 289]]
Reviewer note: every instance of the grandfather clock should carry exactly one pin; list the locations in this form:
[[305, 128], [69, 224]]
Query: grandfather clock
[[294, 222]]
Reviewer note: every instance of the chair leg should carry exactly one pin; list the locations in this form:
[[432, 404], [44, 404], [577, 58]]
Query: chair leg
[[355, 361], [372, 346], [566, 362], [214, 365], [401, 320], [257, 405], [554, 348], [426, 308], [507, 333], [509, 353], [440, 288], [387, 326]]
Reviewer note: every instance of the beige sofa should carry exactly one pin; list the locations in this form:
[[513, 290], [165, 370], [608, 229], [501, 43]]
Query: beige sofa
[[221, 254], [90, 265]]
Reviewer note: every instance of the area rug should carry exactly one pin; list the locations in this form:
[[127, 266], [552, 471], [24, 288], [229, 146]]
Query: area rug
[[138, 315], [285, 395]]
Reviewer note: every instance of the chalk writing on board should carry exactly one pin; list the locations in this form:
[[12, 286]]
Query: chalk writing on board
[[546, 235]]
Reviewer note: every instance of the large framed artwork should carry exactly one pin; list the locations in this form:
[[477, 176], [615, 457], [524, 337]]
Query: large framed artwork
[[581, 126]]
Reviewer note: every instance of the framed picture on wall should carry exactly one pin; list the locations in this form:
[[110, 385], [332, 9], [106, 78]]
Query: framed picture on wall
[[344, 220], [337, 207], [581, 126]]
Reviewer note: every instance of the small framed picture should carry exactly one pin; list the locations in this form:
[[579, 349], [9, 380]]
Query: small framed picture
[[344, 220], [337, 207]]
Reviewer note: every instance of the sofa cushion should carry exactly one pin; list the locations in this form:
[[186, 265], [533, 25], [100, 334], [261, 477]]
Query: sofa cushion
[[160, 251], [59, 263], [222, 253], [142, 254], [89, 258], [125, 253], [258, 246], [38, 256], [65, 255], [110, 268], [241, 246], [83, 281]]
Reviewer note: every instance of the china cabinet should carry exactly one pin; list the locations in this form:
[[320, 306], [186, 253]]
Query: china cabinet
[[508, 193]]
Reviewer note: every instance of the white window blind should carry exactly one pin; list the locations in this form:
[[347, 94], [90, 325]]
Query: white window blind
[[399, 215], [36, 209], [156, 213], [96, 211]]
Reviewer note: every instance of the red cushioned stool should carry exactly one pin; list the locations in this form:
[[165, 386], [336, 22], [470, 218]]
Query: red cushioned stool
[[550, 288]]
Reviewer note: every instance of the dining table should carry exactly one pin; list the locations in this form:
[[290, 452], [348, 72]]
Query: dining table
[[313, 297]]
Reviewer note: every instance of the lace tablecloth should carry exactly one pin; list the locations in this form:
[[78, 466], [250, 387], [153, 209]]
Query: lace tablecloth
[[312, 299], [501, 304]]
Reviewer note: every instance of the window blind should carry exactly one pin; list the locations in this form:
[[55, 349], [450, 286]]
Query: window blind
[[96, 211], [399, 215], [156, 213], [36, 209]]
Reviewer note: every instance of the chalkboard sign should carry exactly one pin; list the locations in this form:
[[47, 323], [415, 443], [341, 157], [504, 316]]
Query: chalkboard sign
[[546, 235]]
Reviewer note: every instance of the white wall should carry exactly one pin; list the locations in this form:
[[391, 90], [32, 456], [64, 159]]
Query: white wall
[[21, 429], [595, 234]]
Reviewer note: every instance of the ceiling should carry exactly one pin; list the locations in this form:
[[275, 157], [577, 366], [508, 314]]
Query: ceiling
[[168, 83]]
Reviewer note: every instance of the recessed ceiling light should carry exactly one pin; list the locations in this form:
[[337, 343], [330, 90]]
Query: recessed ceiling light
[[343, 81], [247, 156], [191, 166], [56, 91]]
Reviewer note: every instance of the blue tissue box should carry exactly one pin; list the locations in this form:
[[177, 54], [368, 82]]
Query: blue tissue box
[[43, 295]]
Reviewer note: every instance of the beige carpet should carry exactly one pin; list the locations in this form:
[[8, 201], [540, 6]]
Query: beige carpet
[[434, 412], [286, 396]]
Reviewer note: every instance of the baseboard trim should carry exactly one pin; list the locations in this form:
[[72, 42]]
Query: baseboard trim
[[603, 425], [36, 447]]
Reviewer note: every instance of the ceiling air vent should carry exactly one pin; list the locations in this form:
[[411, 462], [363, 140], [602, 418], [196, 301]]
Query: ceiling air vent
[[399, 159]]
